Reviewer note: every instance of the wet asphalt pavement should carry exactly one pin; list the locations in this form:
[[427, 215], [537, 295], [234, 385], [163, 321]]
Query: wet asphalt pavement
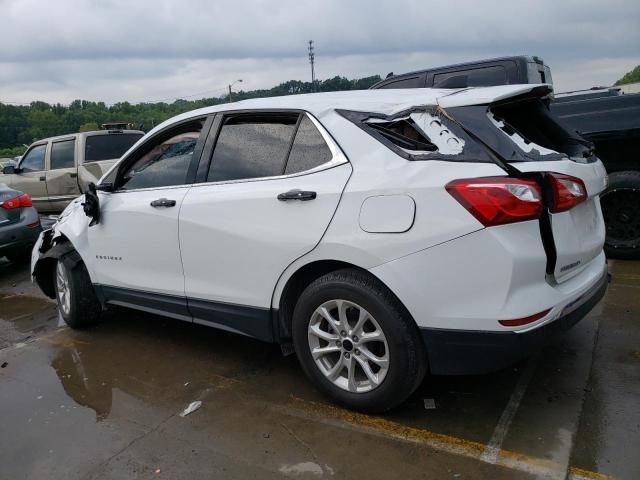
[[106, 402]]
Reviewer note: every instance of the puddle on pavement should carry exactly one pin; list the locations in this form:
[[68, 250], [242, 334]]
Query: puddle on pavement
[[17, 307]]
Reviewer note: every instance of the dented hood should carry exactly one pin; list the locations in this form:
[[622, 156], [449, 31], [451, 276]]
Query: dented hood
[[487, 95]]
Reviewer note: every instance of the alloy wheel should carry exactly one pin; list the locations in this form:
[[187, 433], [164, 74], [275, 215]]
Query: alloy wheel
[[348, 346]]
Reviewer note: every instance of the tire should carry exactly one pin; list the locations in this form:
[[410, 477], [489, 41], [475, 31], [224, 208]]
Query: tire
[[77, 301], [622, 216], [356, 292]]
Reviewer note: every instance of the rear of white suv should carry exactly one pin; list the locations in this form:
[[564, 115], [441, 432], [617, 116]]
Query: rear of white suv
[[384, 233]]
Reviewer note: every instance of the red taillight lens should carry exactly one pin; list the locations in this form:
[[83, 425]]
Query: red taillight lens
[[23, 200], [517, 322], [567, 192], [498, 200]]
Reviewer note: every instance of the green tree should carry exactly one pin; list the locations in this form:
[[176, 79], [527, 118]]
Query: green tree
[[88, 127], [23, 124], [630, 77]]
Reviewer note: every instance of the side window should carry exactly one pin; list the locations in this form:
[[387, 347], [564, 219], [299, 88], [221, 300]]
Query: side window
[[411, 82], [252, 146], [62, 154], [477, 77], [165, 162], [33, 160], [309, 149]]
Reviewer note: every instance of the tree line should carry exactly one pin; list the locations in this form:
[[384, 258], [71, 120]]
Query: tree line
[[22, 124]]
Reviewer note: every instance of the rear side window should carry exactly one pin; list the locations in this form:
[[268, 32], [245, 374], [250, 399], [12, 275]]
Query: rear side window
[[109, 146], [251, 146], [33, 161], [309, 149], [62, 154], [477, 77], [411, 82]]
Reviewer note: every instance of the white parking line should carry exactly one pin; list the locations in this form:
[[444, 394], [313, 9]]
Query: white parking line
[[490, 454]]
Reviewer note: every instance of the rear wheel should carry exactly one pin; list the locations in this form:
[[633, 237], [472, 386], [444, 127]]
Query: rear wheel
[[356, 342], [77, 301], [622, 216]]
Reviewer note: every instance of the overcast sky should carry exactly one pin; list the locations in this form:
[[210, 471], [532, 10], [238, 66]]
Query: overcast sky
[[139, 50]]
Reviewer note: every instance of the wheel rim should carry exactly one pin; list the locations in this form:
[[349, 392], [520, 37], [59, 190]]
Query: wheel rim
[[348, 346], [622, 217], [62, 288]]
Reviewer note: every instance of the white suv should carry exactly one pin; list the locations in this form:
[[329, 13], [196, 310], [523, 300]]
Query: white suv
[[385, 233]]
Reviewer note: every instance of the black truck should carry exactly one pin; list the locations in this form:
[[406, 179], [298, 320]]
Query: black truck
[[604, 116]]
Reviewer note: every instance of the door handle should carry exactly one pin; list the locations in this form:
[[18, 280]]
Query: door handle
[[42, 179], [163, 202], [73, 174], [297, 195]]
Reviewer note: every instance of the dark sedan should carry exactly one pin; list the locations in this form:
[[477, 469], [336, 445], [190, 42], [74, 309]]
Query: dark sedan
[[19, 224]]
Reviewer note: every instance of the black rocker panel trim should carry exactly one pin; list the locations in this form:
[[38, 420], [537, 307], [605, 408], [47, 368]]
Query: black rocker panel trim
[[254, 322]]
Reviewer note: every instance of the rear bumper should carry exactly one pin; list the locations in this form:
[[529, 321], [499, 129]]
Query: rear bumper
[[464, 352], [19, 235]]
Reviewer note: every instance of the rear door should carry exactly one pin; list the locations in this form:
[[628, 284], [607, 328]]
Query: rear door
[[62, 175], [272, 187], [32, 176]]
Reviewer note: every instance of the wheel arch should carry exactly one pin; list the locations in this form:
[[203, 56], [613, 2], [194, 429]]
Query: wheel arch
[[285, 297], [46, 263]]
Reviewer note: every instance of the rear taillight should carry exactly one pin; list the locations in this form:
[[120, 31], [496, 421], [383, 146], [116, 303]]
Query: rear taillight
[[22, 201], [567, 192], [498, 200]]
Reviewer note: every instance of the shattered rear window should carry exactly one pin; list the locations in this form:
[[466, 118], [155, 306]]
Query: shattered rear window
[[404, 134], [532, 127], [421, 133]]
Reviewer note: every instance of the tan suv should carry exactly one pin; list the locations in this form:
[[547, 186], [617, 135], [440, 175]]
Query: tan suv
[[56, 170]]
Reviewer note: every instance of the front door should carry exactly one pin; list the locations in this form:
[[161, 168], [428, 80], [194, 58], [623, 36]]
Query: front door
[[62, 175], [272, 188], [31, 178], [135, 246]]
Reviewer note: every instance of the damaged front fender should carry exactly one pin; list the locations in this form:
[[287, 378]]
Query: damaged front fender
[[67, 235]]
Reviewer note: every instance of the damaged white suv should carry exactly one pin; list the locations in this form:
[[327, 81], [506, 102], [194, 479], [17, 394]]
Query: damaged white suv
[[384, 233]]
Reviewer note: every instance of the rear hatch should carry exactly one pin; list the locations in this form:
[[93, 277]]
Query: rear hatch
[[528, 141]]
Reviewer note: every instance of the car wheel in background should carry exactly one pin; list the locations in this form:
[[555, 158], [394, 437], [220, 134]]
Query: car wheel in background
[[620, 208], [77, 301], [356, 342]]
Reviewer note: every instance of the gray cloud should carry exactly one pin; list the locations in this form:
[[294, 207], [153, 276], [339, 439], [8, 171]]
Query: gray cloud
[[136, 50]]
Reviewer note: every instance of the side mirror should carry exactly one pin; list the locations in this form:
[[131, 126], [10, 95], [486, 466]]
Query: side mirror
[[9, 170]]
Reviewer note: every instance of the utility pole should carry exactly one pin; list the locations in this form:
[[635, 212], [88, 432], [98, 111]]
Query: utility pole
[[230, 85], [312, 57]]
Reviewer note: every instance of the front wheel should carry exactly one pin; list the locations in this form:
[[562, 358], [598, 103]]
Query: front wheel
[[356, 342], [77, 301]]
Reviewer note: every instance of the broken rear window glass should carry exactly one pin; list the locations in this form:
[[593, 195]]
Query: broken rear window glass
[[532, 127], [404, 134]]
